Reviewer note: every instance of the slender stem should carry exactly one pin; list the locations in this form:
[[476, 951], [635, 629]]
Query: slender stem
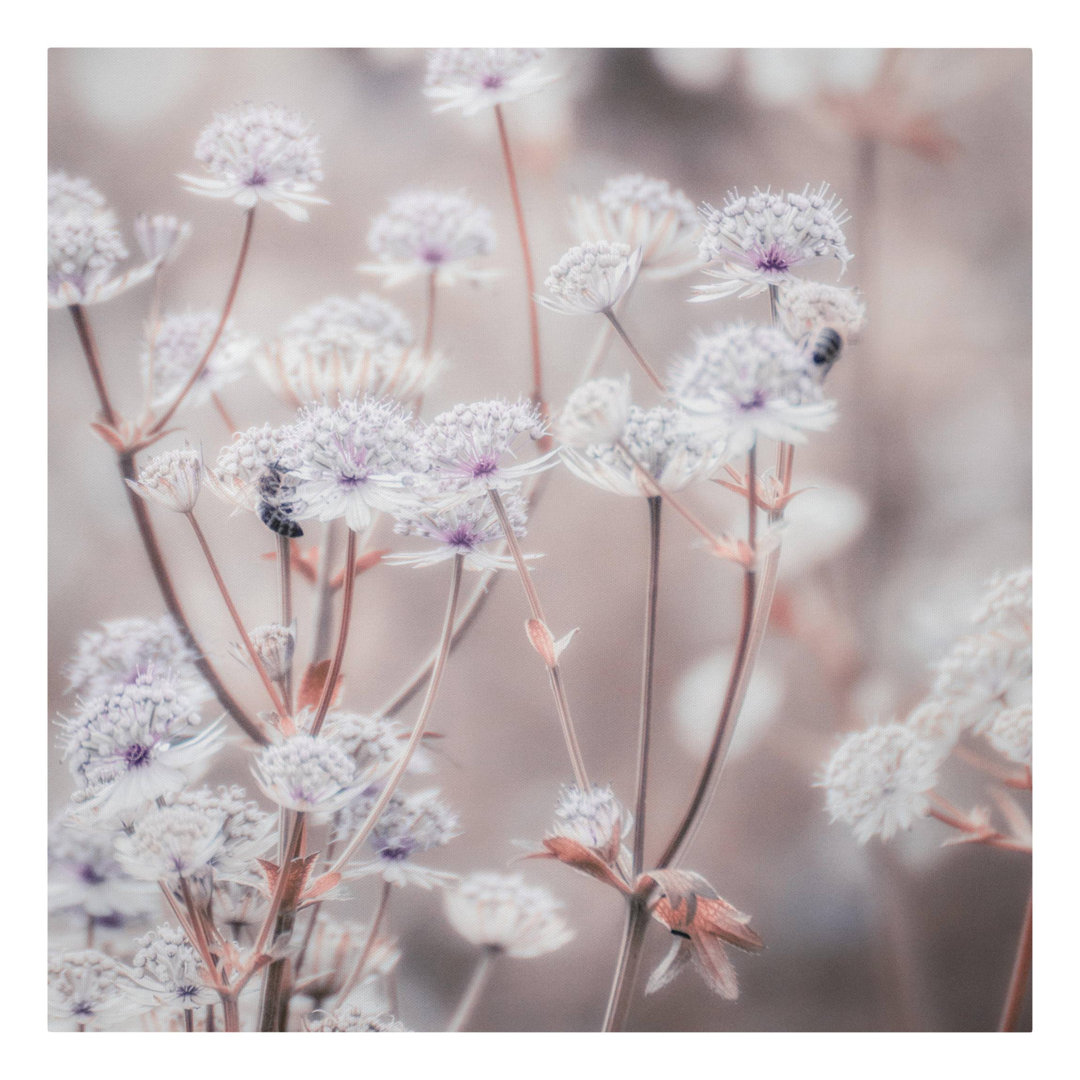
[[284, 546], [249, 726], [210, 1026], [369, 944], [774, 296], [562, 706], [645, 365], [637, 918], [189, 1019], [732, 697], [245, 244], [1010, 1015], [343, 635], [526, 257], [272, 690], [275, 999], [429, 317], [224, 413], [475, 987], [419, 727], [230, 1013], [325, 599], [648, 658], [93, 360], [154, 325]]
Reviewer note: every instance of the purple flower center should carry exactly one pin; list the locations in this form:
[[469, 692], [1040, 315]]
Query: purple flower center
[[484, 466], [756, 402], [462, 536], [89, 876], [776, 259], [257, 179], [136, 756], [398, 852], [432, 255], [492, 82]]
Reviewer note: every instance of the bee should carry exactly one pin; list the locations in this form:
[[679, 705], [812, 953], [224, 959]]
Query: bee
[[275, 511], [823, 348]]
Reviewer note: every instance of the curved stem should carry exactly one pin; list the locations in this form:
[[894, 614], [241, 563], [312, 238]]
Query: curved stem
[[637, 919], [245, 244], [473, 989], [562, 706], [325, 599], [93, 360], [419, 727], [647, 664], [369, 944], [1010, 1015], [343, 635], [526, 258], [271, 689], [725, 725], [645, 365]]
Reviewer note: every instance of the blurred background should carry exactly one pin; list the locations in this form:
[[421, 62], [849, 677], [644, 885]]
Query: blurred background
[[921, 491]]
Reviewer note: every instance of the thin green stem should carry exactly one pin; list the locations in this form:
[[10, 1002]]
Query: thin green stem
[[645, 365], [637, 919]]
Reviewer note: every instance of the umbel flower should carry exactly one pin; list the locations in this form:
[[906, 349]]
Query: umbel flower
[[161, 236], [308, 773], [647, 214], [171, 479], [500, 912], [117, 652], [430, 232], [745, 381], [476, 79], [85, 246], [350, 461], [240, 466], [465, 449], [173, 349], [168, 843], [594, 818], [343, 348], [595, 413], [757, 240], [274, 644], [85, 877], [806, 306], [167, 970], [983, 674], [352, 1017], [259, 152], [333, 952], [464, 528], [660, 440], [136, 745], [89, 989], [591, 278], [244, 831], [1007, 603], [877, 780]]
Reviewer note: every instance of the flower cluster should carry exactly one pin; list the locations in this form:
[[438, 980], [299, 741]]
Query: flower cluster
[[476, 79], [259, 152], [172, 479], [308, 773], [591, 278]]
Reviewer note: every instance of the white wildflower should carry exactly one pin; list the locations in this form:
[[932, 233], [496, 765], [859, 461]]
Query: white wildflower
[[984, 673], [168, 843], [754, 241], [644, 213], [237, 474], [1009, 733], [594, 818], [244, 830], [274, 645], [1007, 603], [430, 232], [878, 779], [89, 989], [352, 1017], [172, 479], [161, 236], [168, 971], [308, 773], [595, 414], [476, 79], [502, 913], [591, 278], [808, 306], [259, 152]]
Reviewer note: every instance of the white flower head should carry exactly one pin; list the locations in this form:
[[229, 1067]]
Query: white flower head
[[309, 773], [352, 1017], [137, 744], [89, 989], [430, 232], [1007, 603], [877, 779], [466, 449], [757, 240], [1009, 733], [114, 654], [85, 246], [334, 949], [352, 460], [168, 843], [171, 479], [167, 970], [464, 528], [85, 877], [274, 644], [595, 413], [343, 348], [161, 236], [807, 306], [647, 214], [237, 473], [477, 79], [747, 381], [500, 912], [411, 824], [660, 440], [591, 278], [259, 152], [984, 673], [375, 743], [174, 348], [594, 818], [244, 830]]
